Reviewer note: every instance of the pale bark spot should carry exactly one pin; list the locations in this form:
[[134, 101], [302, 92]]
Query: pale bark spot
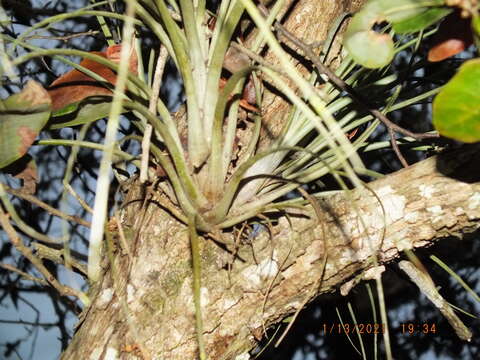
[[130, 293], [303, 13], [228, 303], [96, 353], [474, 201], [105, 297], [157, 230], [345, 288], [393, 204], [204, 296], [436, 212], [111, 354], [403, 244], [374, 273], [255, 274], [411, 217], [426, 191], [244, 356]]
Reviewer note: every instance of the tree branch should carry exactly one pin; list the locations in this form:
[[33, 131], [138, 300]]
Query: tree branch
[[431, 200]]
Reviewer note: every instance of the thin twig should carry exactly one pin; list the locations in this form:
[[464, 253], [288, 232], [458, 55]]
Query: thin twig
[[25, 251], [257, 58], [29, 323], [50, 209], [147, 135], [121, 234], [58, 257], [342, 85], [82, 202], [22, 225], [428, 288], [65, 37], [23, 274], [358, 98], [396, 148]]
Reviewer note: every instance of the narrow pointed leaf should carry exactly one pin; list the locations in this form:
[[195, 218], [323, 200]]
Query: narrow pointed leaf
[[82, 112]]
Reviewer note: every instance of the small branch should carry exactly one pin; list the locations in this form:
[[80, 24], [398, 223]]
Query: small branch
[[157, 82], [123, 240], [427, 287], [58, 256], [23, 274], [46, 207], [25, 251], [28, 323], [257, 58], [19, 221], [395, 147], [358, 98], [65, 37], [82, 202]]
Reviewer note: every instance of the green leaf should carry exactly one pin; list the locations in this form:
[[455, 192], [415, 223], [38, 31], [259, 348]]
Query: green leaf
[[401, 10], [88, 110], [370, 49], [456, 111], [22, 116], [66, 110], [476, 30], [421, 21], [476, 25], [375, 50]]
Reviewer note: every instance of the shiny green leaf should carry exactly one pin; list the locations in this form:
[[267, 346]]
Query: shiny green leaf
[[421, 21], [456, 109]]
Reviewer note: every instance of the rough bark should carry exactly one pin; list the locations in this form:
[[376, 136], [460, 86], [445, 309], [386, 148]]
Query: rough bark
[[308, 20], [150, 305], [143, 307]]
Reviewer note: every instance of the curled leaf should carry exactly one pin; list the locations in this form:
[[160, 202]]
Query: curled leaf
[[375, 50], [22, 116], [88, 110], [75, 85]]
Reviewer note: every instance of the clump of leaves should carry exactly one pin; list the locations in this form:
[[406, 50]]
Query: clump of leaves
[[212, 182], [455, 112]]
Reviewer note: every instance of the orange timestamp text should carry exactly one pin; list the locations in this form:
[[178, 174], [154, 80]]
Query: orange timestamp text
[[347, 328]]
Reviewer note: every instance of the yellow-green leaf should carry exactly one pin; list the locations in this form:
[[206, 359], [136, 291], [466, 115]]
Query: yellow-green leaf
[[370, 49], [456, 109]]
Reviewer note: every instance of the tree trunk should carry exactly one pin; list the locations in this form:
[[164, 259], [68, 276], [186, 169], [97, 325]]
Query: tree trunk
[[149, 307], [143, 306]]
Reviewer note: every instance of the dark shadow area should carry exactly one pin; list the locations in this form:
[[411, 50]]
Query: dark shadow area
[[461, 164]]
